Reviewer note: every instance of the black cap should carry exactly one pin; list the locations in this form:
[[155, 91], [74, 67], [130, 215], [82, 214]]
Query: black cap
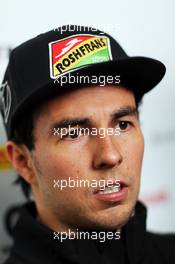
[[36, 66]]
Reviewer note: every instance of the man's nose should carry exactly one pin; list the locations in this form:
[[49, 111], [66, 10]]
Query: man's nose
[[107, 153]]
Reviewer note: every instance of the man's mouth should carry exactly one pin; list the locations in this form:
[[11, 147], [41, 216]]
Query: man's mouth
[[115, 193], [111, 189]]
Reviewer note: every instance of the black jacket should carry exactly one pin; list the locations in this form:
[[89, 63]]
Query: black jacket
[[34, 244]]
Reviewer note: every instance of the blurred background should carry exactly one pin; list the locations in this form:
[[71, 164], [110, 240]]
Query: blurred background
[[142, 27]]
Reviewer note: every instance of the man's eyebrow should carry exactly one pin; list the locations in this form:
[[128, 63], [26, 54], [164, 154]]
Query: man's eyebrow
[[65, 123], [124, 111]]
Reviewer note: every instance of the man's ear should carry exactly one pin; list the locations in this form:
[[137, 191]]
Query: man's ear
[[21, 159]]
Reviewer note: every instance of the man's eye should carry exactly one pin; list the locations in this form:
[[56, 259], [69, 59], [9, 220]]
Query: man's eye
[[73, 133], [124, 125]]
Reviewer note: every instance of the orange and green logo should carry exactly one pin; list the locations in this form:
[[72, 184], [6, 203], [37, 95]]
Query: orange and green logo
[[76, 51]]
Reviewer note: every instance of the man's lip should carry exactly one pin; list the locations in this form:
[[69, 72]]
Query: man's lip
[[113, 197], [113, 182]]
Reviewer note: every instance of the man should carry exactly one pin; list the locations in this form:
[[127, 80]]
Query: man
[[61, 90]]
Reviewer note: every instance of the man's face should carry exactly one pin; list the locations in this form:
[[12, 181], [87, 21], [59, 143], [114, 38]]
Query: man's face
[[89, 157]]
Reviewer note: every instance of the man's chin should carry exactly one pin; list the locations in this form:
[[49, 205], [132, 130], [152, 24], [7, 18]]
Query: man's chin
[[113, 218]]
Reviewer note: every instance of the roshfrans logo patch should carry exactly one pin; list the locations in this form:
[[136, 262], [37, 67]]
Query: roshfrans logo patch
[[76, 51]]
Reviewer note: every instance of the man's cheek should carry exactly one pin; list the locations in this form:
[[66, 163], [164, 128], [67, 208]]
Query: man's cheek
[[70, 197], [134, 152]]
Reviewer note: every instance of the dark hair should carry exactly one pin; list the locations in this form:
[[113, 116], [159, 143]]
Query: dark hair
[[23, 134]]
